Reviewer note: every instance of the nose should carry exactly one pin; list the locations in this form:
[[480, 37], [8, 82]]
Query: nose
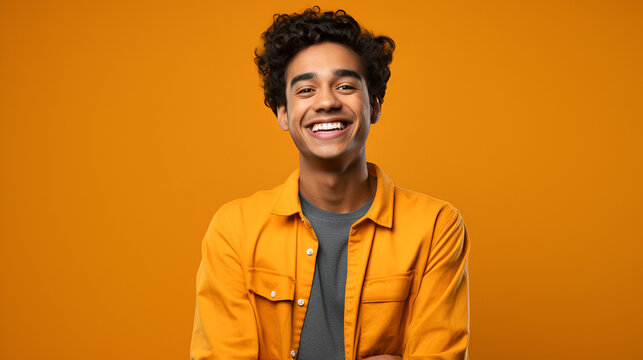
[[327, 100]]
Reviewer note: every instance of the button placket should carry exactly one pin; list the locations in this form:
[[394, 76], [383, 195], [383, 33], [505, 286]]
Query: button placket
[[305, 272]]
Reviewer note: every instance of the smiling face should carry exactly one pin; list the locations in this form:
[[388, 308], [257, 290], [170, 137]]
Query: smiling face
[[328, 112]]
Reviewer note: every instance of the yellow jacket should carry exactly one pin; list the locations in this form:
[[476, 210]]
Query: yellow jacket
[[406, 283]]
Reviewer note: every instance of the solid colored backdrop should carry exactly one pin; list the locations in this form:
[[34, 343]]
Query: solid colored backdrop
[[124, 125]]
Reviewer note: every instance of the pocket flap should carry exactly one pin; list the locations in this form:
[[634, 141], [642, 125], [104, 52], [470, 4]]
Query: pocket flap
[[271, 285], [387, 288]]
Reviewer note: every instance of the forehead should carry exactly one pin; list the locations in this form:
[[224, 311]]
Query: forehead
[[324, 59]]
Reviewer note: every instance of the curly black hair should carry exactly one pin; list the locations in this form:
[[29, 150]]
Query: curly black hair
[[290, 34]]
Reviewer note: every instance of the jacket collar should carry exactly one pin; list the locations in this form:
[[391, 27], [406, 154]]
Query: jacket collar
[[381, 211]]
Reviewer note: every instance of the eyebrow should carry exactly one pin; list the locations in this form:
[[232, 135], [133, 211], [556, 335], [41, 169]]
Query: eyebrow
[[338, 72], [346, 72], [300, 77]]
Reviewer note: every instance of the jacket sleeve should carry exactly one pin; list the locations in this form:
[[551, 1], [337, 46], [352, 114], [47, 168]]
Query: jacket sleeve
[[439, 325], [224, 321]]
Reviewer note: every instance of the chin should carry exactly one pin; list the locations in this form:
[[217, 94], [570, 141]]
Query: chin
[[336, 155], [328, 157]]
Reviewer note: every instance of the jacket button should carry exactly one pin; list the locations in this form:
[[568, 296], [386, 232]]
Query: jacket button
[[273, 293], [300, 302], [309, 251], [293, 354]]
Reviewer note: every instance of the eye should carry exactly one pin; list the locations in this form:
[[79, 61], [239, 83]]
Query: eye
[[346, 87], [305, 91]]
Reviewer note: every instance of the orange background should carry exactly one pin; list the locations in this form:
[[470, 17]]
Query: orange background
[[126, 124]]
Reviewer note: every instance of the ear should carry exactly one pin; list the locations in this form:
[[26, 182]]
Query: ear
[[376, 110], [282, 117]]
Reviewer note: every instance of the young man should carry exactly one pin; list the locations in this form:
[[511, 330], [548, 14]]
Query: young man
[[337, 262]]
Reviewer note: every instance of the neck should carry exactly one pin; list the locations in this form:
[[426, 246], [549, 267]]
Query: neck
[[337, 188]]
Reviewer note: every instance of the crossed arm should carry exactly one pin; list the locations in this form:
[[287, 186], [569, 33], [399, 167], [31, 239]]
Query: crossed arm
[[439, 326]]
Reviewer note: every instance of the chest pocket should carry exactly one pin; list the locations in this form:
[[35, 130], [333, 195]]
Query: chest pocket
[[384, 308], [273, 294], [388, 288], [271, 285]]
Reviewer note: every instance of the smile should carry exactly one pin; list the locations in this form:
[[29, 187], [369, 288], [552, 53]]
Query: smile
[[328, 130], [328, 126]]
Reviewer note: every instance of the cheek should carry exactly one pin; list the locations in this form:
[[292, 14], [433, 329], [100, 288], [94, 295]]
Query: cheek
[[295, 113], [360, 105], [365, 114]]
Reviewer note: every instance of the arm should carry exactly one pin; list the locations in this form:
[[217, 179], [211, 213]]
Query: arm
[[224, 321], [439, 326]]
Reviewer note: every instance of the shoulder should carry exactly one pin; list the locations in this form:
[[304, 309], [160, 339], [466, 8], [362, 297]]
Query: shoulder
[[410, 201], [419, 208], [252, 208]]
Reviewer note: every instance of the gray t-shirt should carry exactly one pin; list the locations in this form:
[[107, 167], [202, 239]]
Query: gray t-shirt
[[322, 335]]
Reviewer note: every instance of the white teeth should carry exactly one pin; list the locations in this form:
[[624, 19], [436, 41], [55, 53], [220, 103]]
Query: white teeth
[[328, 126]]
